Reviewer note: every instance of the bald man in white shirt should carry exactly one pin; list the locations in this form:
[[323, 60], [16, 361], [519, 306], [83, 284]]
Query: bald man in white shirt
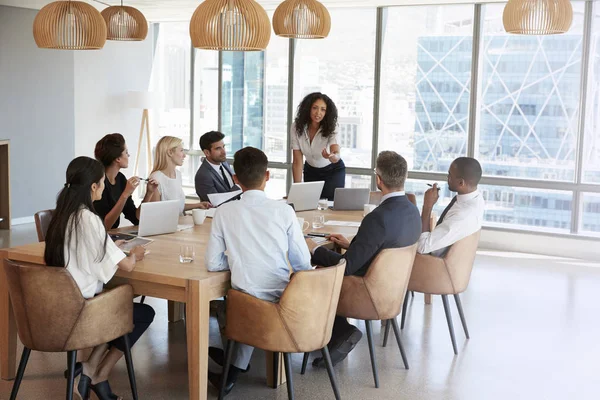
[[462, 217]]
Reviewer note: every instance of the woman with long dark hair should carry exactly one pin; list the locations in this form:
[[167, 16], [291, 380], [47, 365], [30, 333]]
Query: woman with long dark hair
[[77, 240], [313, 137]]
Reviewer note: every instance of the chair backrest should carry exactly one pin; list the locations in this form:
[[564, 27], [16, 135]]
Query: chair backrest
[[375, 197], [302, 320], [46, 302], [42, 221], [380, 293], [459, 261]]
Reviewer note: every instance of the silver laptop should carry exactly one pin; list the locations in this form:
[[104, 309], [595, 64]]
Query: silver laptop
[[350, 199], [158, 217], [305, 196]]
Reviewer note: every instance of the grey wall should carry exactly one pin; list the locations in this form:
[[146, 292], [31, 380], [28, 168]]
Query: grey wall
[[36, 113]]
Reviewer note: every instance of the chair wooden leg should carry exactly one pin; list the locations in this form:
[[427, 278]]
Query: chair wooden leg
[[130, 370], [20, 373], [387, 333], [449, 320], [287, 361], [397, 334], [72, 359], [304, 362], [327, 358], [404, 308], [462, 315], [372, 352], [228, 357]]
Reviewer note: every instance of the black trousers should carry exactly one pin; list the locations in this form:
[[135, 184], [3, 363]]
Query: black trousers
[[340, 328], [334, 176], [143, 315]]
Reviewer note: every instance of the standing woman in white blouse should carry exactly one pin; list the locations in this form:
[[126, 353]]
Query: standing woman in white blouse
[[313, 137], [169, 155]]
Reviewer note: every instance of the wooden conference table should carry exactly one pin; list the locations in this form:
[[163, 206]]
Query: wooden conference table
[[161, 275]]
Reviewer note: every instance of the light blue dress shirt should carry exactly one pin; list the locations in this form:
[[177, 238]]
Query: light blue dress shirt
[[259, 235]]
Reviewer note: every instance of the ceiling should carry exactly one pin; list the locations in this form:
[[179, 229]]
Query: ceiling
[[182, 10]]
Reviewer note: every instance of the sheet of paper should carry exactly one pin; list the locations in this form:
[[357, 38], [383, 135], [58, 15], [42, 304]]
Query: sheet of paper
[[343, 223], [217, 199], [316, 239]]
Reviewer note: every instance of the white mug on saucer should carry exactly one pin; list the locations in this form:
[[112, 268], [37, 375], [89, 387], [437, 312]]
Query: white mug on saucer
[[199, 216], [303, 224]]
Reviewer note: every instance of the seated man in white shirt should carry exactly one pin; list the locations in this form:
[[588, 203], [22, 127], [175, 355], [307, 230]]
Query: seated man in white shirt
[[462, 217], [260, 235]]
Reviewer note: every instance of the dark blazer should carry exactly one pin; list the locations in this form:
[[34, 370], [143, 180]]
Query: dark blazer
[[395, 223], [210, 181]]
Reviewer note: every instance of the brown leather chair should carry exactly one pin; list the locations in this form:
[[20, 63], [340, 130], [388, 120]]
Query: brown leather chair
[[379, 295], [444, 276], [52, 316], [300, 322], [42, 221]]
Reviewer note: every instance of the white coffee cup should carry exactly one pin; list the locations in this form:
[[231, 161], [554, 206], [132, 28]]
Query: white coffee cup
[[199, 216], [303, 224], [367, 208]]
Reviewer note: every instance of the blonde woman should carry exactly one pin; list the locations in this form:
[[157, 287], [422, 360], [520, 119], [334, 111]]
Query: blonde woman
[[169, 155]]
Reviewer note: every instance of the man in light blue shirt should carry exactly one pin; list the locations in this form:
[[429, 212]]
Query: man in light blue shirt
[[260, 236]]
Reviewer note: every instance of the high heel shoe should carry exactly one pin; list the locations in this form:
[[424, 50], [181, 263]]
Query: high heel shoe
[[83, 387], [104, 392]]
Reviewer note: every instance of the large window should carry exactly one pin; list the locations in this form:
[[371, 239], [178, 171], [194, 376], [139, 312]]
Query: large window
[[425, 84], [529, 100], [591, 150], [342, 66], [590, 216]]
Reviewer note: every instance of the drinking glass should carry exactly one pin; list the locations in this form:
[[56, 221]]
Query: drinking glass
[[186, 253], [318, 221]]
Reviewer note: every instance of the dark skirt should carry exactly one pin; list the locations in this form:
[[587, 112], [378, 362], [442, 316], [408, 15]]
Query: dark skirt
[[143, 315], [334, 176]]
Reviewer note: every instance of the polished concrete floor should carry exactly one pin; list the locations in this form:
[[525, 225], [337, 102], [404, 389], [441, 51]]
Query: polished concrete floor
[[535, 334]]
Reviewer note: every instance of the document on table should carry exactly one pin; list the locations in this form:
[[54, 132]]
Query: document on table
[[216, 199], [316, 239], [343, 223]]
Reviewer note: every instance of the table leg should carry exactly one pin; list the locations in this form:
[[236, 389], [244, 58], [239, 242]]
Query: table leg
[[8, 330], [427, 298], [175, 310], [275, 369], [197, 329]]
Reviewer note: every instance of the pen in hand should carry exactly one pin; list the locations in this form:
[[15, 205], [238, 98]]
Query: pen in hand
[[430, 185]]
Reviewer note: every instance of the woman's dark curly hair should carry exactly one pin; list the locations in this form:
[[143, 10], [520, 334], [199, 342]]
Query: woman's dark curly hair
[[328, 124]]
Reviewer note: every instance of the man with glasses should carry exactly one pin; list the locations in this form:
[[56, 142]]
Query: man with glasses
[[394, 223], [462, 217]]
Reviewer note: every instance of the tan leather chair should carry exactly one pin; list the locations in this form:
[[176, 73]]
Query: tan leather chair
[[42, 221], [301, 321], [444, 276], [379, 295], [52, 316]]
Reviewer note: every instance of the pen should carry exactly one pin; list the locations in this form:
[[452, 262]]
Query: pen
[[430, 185]]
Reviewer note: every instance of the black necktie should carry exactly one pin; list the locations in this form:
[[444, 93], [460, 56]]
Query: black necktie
[[227, 185], [448, 207]]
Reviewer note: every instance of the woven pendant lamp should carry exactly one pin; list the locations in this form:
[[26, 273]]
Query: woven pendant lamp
[[125, 23], [234, 25], [537, 17], [69, 25], [302, 19]]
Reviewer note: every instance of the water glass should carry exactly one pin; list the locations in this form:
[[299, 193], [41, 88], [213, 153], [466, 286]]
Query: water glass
[[186, 253], [318, 221], [322, 205]]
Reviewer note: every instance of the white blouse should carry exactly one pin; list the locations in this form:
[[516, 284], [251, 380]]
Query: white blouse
[[169, 188], [82, 255], [312, 151]]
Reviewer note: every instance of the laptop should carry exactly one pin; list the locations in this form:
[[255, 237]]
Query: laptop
[[350, 199], [158, 217], [305, 196]]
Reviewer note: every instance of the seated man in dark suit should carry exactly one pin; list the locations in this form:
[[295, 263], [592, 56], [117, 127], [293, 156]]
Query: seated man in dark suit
[[394, 223], [215, 174]]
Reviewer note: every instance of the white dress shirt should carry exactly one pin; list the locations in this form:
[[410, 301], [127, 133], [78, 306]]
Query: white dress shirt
[[313, 151], [170, 188], [392, 194], [464, 218], [82, 255], [260, 235], [227, 174]]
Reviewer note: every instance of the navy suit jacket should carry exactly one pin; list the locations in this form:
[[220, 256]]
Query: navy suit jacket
[[210, 181], [395, 223]]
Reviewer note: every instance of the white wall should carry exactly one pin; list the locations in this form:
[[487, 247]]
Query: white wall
[[36, 113], [102, 80]]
